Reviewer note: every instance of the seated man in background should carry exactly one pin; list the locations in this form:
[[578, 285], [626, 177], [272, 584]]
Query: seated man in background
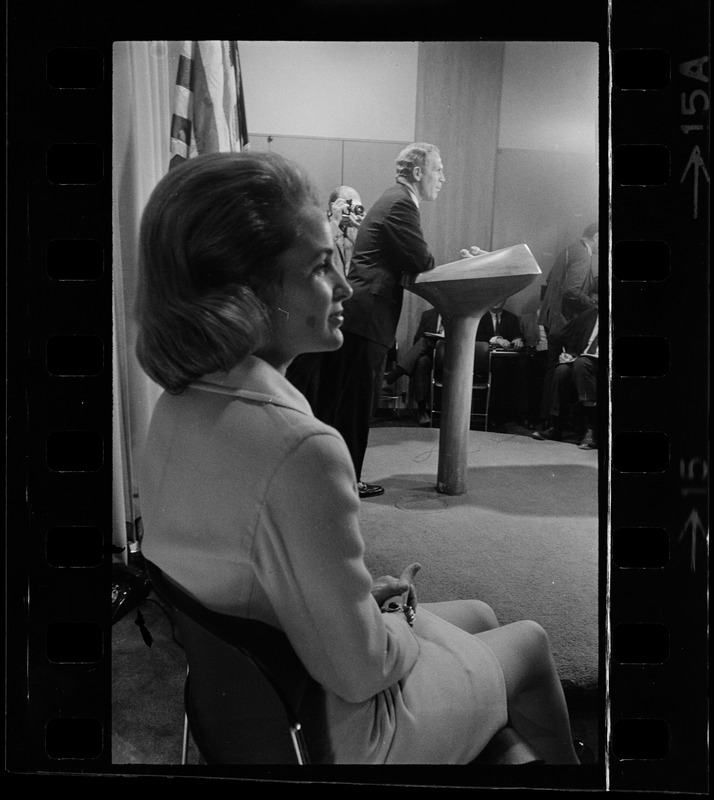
[[501, 328], [575, 377], [417, 363], [509, 381]]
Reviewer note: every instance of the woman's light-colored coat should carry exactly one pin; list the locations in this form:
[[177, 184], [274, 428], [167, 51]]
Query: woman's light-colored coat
[[250, 503]]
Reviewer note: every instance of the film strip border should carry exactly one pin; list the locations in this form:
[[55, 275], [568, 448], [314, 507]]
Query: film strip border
[[658, 559], [59, 550], [60, 488]]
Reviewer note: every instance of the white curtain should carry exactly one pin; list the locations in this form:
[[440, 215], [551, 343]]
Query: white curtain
[[142, 86], [197, 86]]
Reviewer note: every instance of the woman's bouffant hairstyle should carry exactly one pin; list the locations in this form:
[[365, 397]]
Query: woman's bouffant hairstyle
[[414, 155], [210, 239]]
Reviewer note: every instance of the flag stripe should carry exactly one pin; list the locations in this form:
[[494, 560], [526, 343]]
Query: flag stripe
[[185, 72], [240, 103], [209, 109], [181, 129]]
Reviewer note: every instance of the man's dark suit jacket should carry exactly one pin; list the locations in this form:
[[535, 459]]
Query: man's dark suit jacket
[[575, 335], [510, 327], [389, 250], [570, 288]]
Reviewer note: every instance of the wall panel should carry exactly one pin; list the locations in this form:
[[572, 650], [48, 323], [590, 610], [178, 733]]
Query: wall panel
[[545, 200], [333, 89], [458, 102], [370, 167], [322, 158]]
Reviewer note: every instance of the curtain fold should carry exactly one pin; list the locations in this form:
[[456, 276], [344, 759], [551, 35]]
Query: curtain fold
[[172, 100], [141, 118]]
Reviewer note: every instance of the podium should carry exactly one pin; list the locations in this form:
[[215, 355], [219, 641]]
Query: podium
[[462, 291]]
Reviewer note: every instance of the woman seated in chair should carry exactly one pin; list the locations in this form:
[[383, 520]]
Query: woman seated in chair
[[251, 505]]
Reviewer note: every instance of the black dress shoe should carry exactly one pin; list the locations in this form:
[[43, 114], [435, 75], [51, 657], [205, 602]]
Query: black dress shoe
[[369, 489], [423, 419], [583, 752], [589, 441], [549, 434]]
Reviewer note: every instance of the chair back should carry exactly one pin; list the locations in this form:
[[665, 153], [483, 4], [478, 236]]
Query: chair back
[[389, 397], [482, 362], [438, 363], [248, 698], [481, 379]]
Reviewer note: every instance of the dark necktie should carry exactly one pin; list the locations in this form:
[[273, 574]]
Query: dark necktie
[[497, 325]]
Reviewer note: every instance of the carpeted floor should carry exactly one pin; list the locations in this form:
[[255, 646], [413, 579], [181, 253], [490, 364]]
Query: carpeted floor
[[524, 538]]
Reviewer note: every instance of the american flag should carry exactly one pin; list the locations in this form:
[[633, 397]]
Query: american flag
[[209, 110]]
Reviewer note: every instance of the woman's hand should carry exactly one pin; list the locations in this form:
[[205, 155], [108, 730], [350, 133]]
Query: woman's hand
[[408, 576], [400, 589], [411, 599]]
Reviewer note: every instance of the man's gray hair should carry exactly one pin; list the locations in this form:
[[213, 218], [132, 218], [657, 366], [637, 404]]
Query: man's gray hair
[[413, 155]]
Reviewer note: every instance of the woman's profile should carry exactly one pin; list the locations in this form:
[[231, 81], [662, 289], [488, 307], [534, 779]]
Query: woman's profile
[[251, 504]]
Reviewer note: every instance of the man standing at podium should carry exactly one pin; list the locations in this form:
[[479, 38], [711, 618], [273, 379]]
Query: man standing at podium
[[389, 250]]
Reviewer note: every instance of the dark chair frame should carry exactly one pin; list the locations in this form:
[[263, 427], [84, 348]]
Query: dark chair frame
[[269, 653], [481, 379], [265, 649], [390, 398]]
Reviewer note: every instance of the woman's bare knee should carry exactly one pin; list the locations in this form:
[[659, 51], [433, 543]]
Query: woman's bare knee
[[533, 636], [536, 646], [534, 632], [523, 649], [472, 616], [478, 616], [485, 614]]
